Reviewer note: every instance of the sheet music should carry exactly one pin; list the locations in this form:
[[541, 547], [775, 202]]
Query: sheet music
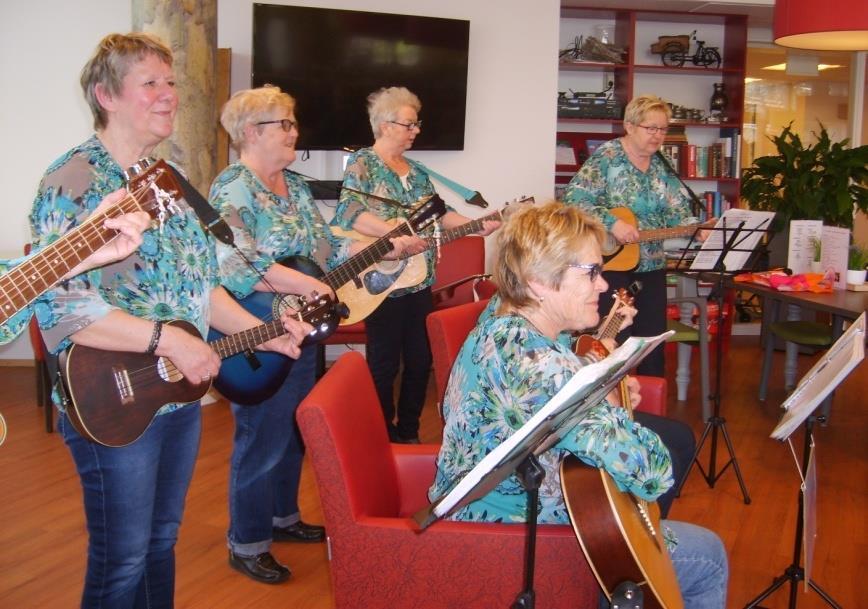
[[582, 392], [822, 378], [754, 225]]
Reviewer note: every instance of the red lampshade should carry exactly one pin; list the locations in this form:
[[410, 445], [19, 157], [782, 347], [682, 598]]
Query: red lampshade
[[836, 25]]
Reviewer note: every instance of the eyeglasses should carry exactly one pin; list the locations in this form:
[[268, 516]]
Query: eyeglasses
[[285, 124], [594, 270], [409, 126], [654, 130]]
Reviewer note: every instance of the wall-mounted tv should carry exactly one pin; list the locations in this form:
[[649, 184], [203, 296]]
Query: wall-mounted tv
[[331, 60]]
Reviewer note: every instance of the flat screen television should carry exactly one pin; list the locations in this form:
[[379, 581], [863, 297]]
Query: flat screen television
[[330, 60]]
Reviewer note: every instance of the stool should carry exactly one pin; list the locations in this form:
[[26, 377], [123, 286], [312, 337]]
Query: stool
[[687, 337], [795, 333]]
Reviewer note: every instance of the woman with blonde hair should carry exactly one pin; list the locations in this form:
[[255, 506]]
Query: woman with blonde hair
[[273, 215], [548, 270]]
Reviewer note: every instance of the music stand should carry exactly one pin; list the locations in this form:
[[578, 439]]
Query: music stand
[[812, 389], [543, 430], [727, 251]]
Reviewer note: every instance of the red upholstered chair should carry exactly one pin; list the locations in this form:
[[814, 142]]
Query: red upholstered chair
[[460, 272], [447, 330], [370, 488]]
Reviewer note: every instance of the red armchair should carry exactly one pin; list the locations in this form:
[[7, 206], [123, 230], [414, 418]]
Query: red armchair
[[369, 488], [447, 330], [460, 273]]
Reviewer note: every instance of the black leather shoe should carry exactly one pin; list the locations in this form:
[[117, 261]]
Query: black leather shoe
[[262, 567], [407, 440], [300, 532]]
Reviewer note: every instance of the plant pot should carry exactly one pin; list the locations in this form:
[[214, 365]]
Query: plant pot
[[856, 277], [816, 266]]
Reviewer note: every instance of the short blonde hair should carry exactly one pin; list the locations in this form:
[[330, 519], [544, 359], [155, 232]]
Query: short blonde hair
[[250, 106], [111, 62], [537, 243], [383, 106], [639, 107]]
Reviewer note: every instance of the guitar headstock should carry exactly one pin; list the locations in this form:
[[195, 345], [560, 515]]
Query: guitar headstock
[[427, 212], [324, 313], [623, 298], [154, 187]]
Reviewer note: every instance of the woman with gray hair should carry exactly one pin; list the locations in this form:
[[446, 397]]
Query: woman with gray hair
[[396, 329], [273, 215]]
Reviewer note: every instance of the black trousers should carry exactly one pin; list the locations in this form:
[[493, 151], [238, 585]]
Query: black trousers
[[396, 332], [679, 439], [651, 318]]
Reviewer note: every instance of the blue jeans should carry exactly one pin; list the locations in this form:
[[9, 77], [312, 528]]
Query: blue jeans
[[700, 565], [266, 462], [133, 501]]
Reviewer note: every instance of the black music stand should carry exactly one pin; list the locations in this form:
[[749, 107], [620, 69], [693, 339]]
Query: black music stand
[[518, 453], [724, 253], [818, 383]]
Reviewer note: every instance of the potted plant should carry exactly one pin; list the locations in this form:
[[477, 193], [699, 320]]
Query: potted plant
[[822, 181], [816, 254], [857, 261]]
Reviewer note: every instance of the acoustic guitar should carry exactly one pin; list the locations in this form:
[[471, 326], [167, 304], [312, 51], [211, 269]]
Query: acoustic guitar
[[619, 534], [114, 395], [625, 256], [409, 270], [151, 188]]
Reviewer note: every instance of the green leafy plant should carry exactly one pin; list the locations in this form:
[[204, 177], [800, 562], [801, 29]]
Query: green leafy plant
[[822, 181], [857, 258]]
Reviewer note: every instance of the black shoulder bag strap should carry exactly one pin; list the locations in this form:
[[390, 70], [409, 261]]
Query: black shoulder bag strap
[[209, 217]]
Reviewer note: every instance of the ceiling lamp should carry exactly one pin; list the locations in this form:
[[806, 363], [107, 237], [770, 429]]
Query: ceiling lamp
[[822, 26]]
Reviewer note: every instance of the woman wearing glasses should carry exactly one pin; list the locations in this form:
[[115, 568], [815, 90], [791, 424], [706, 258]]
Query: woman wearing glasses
[[396, 329], [273, 215], [518, 357], [628, 172]]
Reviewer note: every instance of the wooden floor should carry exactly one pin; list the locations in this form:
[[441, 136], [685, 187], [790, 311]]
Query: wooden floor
[[42, 536]]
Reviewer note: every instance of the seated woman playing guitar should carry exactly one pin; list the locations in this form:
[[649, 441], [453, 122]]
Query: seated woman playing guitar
[[548, 272]]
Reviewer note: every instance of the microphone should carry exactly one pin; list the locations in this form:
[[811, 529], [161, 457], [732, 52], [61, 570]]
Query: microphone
[[697, 206]]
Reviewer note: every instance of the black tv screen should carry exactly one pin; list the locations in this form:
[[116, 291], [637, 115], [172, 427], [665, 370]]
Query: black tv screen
[[330, 61]]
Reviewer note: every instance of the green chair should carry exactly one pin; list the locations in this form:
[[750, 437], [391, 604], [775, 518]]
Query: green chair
[[796, 334]]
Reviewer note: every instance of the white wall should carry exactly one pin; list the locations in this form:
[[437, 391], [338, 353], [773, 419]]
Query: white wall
[[509, 143]]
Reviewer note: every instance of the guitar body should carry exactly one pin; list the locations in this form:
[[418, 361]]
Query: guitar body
[[376, 282], [620, 256], [247, 378], [621, 539], [114, 395]]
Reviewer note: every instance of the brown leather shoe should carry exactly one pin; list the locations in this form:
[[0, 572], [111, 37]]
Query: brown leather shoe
[[300, 532], [262, 567]]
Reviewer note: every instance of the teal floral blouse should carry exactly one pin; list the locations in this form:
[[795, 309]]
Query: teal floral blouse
[[268, 227], [170, 276], [608, 179], [367, 172], [505, 372]]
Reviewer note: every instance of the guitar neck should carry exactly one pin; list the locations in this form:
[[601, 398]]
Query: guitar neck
[[658, 234], [468, 228], [353, 267], [611, 327], [21, 285], [247, 340]]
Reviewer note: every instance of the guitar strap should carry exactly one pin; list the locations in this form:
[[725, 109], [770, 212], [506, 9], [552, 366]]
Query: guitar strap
[[209, 217], [471, 197]]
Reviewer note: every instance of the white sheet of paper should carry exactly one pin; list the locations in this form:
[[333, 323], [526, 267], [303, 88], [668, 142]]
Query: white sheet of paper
[[836, 243], [832, 367], [744, 244]]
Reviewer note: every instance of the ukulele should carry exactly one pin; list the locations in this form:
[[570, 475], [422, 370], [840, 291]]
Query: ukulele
[[619, 534], [625, 256], [114, 395]]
